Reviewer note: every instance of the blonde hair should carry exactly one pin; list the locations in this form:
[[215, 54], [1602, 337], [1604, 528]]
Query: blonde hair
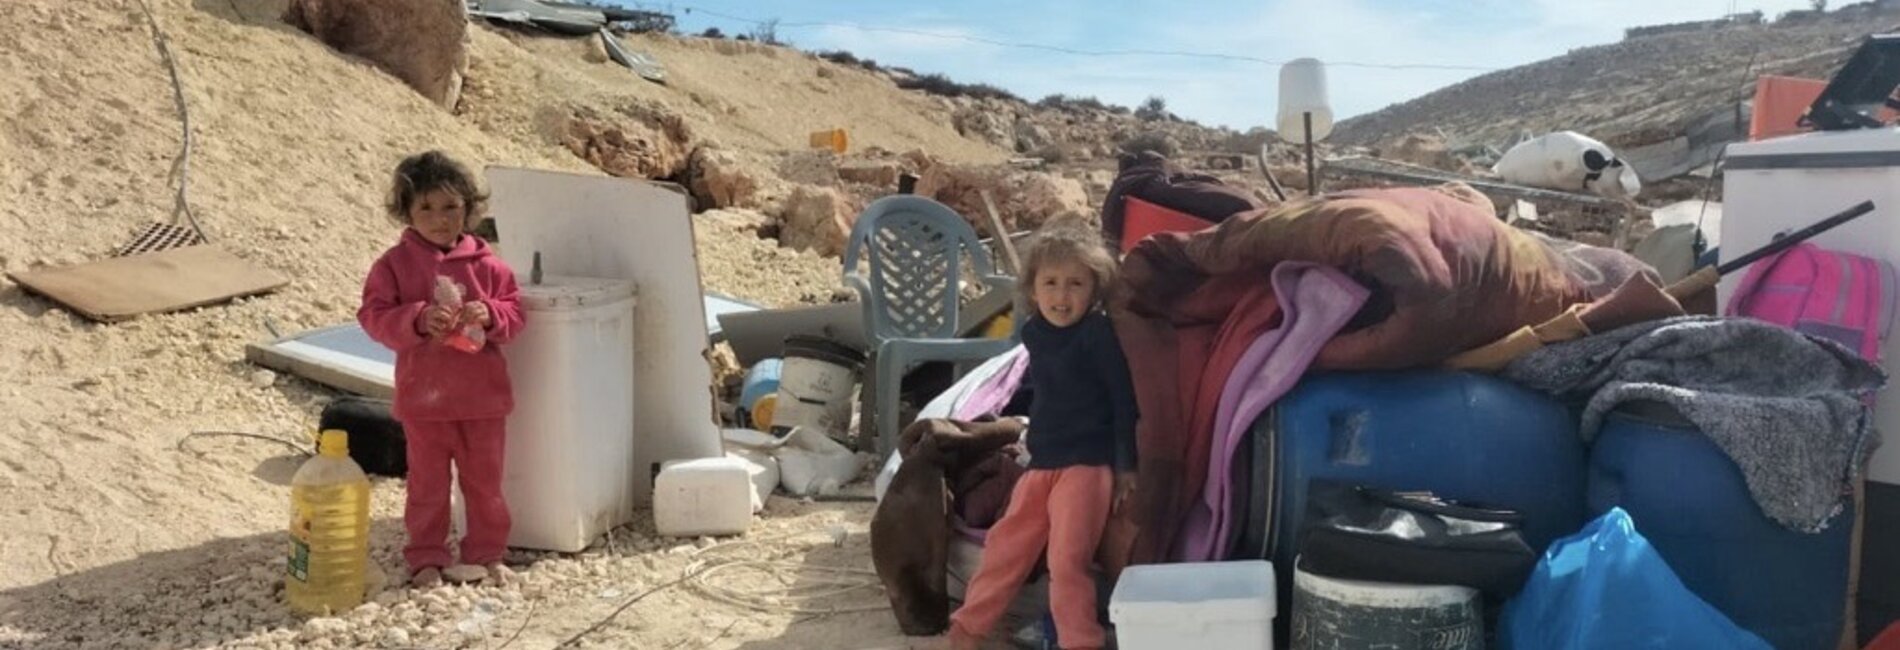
[[430, 171], [1063, 241]]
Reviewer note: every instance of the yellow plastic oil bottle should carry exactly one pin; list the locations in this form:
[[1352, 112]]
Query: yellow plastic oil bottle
[[329, 531]]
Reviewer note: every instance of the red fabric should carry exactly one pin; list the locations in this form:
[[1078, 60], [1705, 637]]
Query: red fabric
[[476, 449], [1889, 639], [433, 381], [1144, 219], [1062, 510], [1445, 275]]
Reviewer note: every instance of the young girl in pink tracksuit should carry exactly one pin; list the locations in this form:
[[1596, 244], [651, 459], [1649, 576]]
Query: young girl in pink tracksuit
[[453, 400]]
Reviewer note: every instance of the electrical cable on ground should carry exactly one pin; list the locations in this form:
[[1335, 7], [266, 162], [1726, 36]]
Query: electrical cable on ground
[[181, 166]]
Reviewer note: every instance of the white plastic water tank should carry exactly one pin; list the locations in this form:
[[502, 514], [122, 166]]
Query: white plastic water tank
[[1194, 605], [1787, 183], [1303, 90], [571, 469]]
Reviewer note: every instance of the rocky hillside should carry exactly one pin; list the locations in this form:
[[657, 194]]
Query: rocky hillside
[[1640, 90]]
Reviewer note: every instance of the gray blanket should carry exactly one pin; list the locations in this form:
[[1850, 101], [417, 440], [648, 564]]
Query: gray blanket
[[1787, 407]]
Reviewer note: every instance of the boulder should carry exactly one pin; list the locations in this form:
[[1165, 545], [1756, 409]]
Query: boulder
[[720, 179], [422, 42], [959, 187], [985, 126], [636, 140], [1044, 197], [918, 159], [881, 173], [818, 219], [812, 167], [1031, 136]]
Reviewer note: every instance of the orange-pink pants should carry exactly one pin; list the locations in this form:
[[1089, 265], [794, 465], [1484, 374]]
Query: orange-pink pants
[[1063, 510]]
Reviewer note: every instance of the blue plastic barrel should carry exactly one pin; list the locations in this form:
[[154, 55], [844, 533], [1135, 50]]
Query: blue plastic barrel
[[760, 381], [1689, 499], [1465, 437]]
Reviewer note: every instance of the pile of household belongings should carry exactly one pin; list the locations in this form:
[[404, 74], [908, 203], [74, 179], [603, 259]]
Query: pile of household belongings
[[1219, 323]]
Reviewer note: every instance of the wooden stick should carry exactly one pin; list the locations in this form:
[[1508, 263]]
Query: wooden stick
[[1011, 262]]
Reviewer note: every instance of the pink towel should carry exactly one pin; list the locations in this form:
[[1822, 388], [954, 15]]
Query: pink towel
[[1315, 302]]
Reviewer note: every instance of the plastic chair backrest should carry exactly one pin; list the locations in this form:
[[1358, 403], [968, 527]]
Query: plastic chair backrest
[[914, 247]]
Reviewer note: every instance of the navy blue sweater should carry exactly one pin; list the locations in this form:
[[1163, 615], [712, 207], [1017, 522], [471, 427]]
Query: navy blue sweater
[[1084, 408]]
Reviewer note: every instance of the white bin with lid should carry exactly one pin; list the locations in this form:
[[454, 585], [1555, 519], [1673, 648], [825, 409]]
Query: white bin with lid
[[1194, 605], [572, 470]]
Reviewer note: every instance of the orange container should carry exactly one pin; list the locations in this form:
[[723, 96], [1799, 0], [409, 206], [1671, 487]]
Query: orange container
[[833, 139], [1141, 219]]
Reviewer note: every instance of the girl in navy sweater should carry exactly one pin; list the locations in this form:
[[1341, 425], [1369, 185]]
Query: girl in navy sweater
[[1081, 444]]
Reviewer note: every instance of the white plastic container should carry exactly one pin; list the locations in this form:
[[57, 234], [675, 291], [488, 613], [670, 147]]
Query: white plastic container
[[704, 496], [1787, 183], [571, 470], [1303, 90], [1203, 605]]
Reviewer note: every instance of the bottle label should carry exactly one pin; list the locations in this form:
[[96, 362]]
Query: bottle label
[[299, 567]]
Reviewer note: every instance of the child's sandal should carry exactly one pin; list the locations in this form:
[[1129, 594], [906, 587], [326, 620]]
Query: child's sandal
[[427, 578], [465, 574]]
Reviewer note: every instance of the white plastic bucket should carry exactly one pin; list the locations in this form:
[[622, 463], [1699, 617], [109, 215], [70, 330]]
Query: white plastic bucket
[[816, 383]]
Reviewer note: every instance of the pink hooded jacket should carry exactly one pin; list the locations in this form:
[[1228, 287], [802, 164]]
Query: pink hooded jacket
[[435, 382]]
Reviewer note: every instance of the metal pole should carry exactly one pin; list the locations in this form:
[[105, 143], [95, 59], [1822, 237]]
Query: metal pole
[[1312, 178]]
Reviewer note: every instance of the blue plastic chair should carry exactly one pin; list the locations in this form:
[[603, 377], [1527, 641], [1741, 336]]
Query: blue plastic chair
[[914, 248]]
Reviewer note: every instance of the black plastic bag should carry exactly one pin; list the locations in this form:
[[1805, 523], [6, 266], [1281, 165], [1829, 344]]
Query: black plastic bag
[[1361, 533]]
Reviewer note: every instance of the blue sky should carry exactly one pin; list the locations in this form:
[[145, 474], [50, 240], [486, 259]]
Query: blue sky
[[1484, 34]]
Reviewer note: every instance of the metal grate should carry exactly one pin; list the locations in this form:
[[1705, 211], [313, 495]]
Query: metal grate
[[160, 237]]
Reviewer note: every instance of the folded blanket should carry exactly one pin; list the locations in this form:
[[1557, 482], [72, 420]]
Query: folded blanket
[[1789, 408], [1443, 276]]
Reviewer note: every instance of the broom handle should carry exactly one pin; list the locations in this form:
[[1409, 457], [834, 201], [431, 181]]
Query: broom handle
[[1706, 277]]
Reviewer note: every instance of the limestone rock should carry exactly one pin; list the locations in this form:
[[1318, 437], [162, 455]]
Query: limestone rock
[[720, 179], [636, 140], [422, 42], [818, 219], [882, 173]]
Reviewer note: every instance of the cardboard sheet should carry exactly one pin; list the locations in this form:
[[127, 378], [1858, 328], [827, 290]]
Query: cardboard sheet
[[604, 227], [122, 288]]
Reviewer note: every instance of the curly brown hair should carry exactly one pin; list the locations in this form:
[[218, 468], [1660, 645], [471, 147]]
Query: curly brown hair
[[430, 171], [1068, 241]]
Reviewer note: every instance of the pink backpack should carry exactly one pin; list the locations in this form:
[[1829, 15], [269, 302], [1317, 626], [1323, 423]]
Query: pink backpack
[[1838, 296]]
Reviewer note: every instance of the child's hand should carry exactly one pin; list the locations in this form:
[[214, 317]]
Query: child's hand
[[435, 321], [477, 312], [1124, 490]]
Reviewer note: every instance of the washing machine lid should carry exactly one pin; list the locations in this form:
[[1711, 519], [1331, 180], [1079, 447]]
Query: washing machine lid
[[561, 292]]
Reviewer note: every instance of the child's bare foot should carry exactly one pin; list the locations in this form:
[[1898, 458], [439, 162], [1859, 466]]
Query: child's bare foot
[[501, 575], [463, 574], [428, 578]]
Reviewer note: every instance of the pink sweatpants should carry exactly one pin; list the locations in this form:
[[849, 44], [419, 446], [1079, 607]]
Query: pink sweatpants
[[476, 449], [1065, 511]]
